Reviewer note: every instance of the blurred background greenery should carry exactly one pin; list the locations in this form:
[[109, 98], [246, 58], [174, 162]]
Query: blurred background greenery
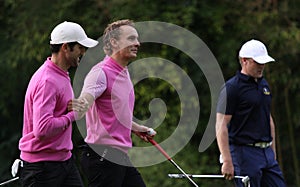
[[25, 26]]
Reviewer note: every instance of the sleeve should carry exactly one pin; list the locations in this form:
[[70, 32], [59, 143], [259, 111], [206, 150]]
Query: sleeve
[[95, 82], [227, 101], [45, 124]]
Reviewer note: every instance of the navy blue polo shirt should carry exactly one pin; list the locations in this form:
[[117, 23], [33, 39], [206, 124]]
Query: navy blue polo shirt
[[249, 103]]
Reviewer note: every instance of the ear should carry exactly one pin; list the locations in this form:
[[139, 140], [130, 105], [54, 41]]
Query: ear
[[64, 47], [114, 43], [244, 60]]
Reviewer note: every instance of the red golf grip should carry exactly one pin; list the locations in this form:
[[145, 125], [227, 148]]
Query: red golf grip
[[153, 142]]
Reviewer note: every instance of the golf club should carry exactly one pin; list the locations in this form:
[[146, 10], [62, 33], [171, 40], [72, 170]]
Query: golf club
[[153, 142], [245, 179], [9, 181]]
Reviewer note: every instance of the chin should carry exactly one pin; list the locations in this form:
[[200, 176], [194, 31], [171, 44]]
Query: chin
[[75, 65], [131, 57]]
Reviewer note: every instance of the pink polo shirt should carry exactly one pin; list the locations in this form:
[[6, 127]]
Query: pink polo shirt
[[47, 124], [109, 119]]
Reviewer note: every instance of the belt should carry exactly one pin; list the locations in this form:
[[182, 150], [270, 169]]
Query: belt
[[103, 152], [261, 144]]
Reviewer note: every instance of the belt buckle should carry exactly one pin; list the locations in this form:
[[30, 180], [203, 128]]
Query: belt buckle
[[263, 144], [103, 154]]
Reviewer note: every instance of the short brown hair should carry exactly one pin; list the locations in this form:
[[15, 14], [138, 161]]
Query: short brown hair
[[56, 47], [113, 31]]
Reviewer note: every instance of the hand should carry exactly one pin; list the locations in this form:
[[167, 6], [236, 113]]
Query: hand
[[227, 170], [79, 106], [145, 133]]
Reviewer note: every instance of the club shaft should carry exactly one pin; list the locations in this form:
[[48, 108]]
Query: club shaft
[[153, 142], [187, 176], [9, 181], [214, 176], [245, 179], [202, 176]]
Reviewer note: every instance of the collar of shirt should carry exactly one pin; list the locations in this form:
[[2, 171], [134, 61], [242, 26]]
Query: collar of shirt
[[53, 66], [247, 78], [115, 64]]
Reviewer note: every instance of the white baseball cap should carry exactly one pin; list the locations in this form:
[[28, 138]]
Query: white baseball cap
[[71, 32], [256, 50]]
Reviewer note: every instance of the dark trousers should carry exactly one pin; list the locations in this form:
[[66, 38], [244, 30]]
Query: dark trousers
[[257, 163], [50, 174], [101, 170]]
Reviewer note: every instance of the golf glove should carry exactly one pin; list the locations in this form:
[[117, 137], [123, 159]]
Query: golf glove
[[16, 166]]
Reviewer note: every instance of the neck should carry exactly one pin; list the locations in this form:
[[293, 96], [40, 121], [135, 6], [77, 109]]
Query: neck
[[56, 59], [245, 73], [121, 61]]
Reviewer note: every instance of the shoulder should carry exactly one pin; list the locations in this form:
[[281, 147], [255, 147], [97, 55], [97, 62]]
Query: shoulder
[[230, 89], [232, 83], [42, 75], [264, 81]]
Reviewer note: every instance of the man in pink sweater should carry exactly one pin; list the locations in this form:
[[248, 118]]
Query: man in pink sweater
[[46, 141], [109, 92]]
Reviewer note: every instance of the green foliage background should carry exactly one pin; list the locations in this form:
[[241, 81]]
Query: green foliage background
[[223, 25]]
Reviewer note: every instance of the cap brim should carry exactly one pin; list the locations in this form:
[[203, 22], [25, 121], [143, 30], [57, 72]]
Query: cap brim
[[88, 42], [263, 59]]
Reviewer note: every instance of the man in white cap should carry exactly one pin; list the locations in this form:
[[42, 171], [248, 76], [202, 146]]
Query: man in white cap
[[245, 129], [46, 142]]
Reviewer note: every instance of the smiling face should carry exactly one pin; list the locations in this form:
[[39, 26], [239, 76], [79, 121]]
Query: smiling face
[[74, 54], [252, 68], [125, 47]]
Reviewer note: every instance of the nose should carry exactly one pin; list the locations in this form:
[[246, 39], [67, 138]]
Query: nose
[[137, 43]]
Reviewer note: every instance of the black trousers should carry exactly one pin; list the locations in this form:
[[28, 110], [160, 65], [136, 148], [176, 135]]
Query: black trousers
[[101, 170], [50, 174]]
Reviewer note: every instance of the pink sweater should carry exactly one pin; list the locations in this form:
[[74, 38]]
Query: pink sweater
[[47, 124], [109, 120]]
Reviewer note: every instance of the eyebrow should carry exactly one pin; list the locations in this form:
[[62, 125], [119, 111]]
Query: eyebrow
[[133, 36]]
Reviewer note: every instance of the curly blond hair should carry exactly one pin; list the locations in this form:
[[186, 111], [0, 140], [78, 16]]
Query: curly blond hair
[[113, 31]]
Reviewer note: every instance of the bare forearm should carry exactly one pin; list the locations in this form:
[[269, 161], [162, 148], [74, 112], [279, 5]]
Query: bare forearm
[[227, 168], [222, 136], [273, 134], [88, 98], [223, 144], [139, 128]]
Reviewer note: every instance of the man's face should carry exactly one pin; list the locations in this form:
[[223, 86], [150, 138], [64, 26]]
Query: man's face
[[253, 68], [128, 44], [74, 55]]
